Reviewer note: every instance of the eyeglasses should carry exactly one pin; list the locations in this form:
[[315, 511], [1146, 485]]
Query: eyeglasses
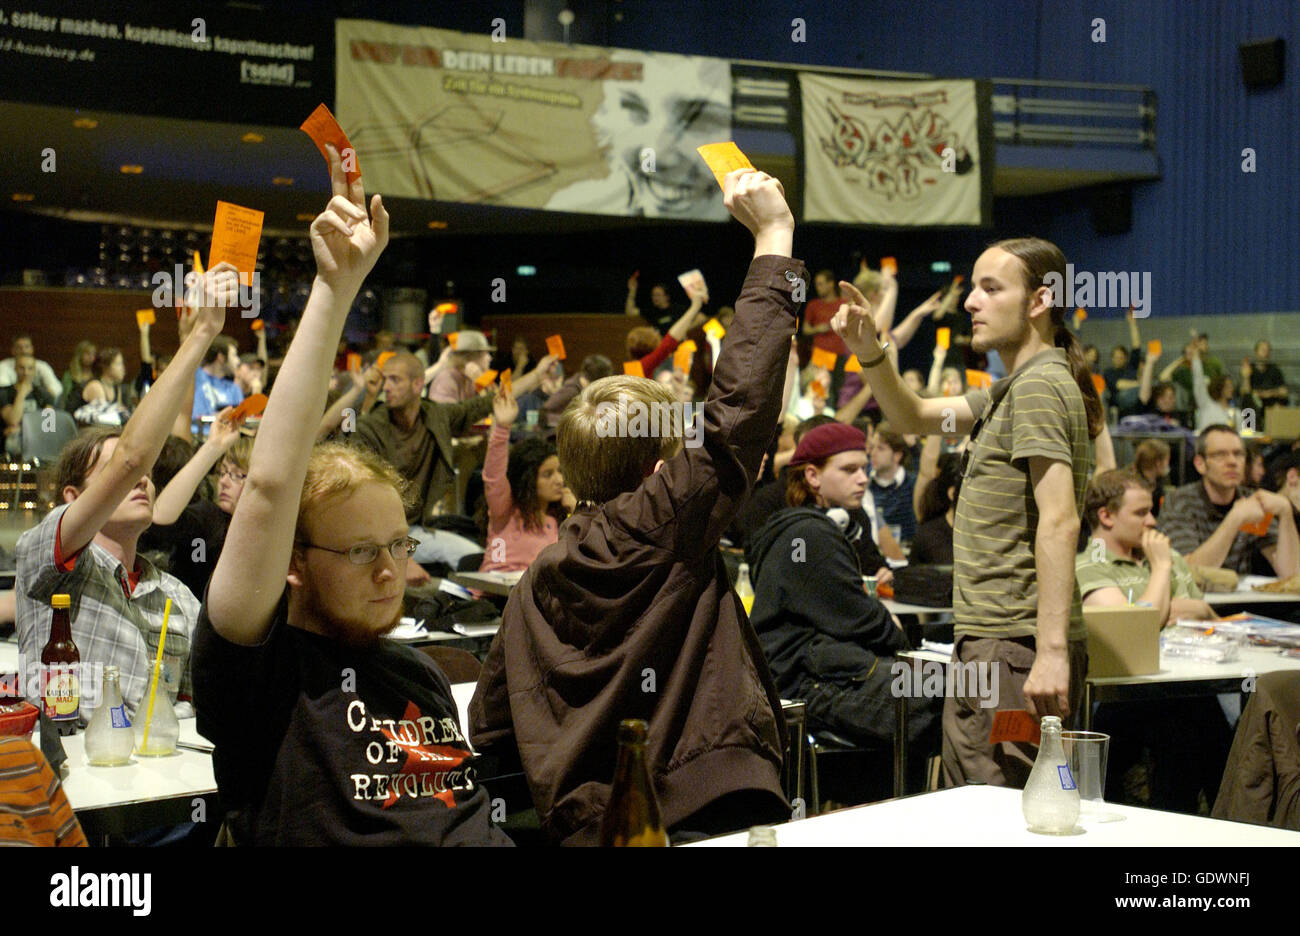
[[364, 553], [234, 474]]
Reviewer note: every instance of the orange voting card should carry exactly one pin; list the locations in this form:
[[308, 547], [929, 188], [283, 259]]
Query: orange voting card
[[1081, 313], [385, 358], [713, 328], [943, 338], [555, 346], [958, 279], [722, 158], [822, 358], [978, 379], [505, 381], [235, 235], [1154, 348], [682, 358], [1099, 382], [1259, 528], [198, 263], [354, 361], [256, 324], [451, 338], [689, 345], [1014, 725], [252, 406], [485, 379], [323, 128], [853, 365], [145, 317], [889, 265], [633, 369], [818, 388]]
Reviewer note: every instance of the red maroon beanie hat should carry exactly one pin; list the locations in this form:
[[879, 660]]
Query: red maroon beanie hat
[[827, 440]]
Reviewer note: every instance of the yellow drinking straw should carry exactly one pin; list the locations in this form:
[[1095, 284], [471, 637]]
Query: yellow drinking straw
[[157, 668]]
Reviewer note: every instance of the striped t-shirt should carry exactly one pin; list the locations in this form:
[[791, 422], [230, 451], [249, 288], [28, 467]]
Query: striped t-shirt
[[33, 809], [1098, 567], [995, 583]]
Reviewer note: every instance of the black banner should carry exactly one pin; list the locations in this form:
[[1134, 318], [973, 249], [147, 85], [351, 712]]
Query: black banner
[[197, 61]]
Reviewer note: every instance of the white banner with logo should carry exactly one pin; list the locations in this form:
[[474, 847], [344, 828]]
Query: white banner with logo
[[892, 152], [459, 117]]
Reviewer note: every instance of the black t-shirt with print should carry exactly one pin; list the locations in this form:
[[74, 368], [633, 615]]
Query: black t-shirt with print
[[322, 744]]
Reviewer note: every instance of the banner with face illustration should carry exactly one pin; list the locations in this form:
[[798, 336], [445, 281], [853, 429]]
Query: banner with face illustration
[[895, 153], [460, 117]]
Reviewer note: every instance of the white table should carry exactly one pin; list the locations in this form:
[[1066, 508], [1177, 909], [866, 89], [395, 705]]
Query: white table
[[898, 607], [490, 583], [983, 816], [149, 792]]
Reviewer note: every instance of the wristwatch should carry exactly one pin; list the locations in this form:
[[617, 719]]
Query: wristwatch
[[884, 353]]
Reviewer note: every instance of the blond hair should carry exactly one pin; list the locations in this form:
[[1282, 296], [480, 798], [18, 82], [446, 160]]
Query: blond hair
[[868, 281], [240, 454], [335, 469], [599, 464]]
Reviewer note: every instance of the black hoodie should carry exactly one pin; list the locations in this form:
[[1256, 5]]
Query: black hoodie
[[812, 617]]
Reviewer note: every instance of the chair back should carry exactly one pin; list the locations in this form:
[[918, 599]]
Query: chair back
[[42, 444], [459, 666]]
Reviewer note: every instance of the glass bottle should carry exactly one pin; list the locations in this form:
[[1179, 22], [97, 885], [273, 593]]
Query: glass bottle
[[109, 738], [744, 590], [61, 669], [1051, 799], [632, 817], [163, 728]]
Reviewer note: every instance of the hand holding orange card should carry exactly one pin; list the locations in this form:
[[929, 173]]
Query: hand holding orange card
[[236, 232], [943, 338], [145, 317], [889, 265], [256, 324], [1154, 348], [633, 369], [713, 328], [1014, 725], [823, 358], [323, 128], [722, 158], [682, 358], [485, 379], [254, 405], [555, 347], [1080, 313], [354, 361]]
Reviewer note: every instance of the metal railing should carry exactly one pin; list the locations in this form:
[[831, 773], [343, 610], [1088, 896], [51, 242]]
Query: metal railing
[[1073, 113]]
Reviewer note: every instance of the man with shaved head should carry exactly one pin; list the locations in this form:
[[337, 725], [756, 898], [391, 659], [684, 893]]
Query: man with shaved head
[[415, 436]]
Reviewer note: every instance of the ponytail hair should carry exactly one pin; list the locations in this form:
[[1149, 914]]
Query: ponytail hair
[[1040, 258]]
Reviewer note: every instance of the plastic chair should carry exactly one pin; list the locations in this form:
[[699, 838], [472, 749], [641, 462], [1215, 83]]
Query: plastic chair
[[41, 446]]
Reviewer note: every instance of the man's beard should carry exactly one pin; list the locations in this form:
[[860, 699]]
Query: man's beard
[[346, 632]]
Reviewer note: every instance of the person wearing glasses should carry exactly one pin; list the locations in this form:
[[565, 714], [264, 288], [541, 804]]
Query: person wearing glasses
[[324, 732], [1220, 522], [190, 530], [1016, 605]]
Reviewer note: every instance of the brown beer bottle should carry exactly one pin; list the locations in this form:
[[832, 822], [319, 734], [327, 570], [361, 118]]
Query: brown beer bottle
[[632, 817], [61, 670]]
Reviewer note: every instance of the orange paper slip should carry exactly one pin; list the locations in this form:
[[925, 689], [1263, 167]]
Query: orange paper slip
[[682, 358], [1259, 528], [1081, 313], [943, 338], [1154, 348], [236, 232], [256, 324], [978, 380], [198, 263], [823, 358], [145, 317], [722, 158], [889, 265], [384, 358], [555, 347], [633, 369], [485, 379], [505, 381], [1014, 725], [451, 339], [252, 406], [713, 328], [323, 128], [354, 361], [1099, 382], [853, 365]]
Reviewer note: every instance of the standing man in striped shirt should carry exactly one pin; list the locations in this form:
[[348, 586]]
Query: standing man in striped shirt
[[1015, 603]]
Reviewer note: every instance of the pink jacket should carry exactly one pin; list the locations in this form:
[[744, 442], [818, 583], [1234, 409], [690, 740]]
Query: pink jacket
[[510, 547]]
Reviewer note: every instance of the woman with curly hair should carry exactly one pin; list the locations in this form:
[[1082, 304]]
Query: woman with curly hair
[[525, 493]]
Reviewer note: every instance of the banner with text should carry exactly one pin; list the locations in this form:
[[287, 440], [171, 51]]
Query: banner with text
[[895, 153], [459, 117]]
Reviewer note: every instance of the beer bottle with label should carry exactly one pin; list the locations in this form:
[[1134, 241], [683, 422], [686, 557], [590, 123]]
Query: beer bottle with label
[[632, 817], [61, 670]]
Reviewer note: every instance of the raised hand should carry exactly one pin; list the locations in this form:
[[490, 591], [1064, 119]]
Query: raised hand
[[224, 432], [435, 322], [505, 409], [344, 239], [632, 281], [757, 200], [206, 302], [854, 322]]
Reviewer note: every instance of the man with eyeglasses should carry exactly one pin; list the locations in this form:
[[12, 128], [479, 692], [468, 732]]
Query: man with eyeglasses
[[1219, 522], [325, 733]]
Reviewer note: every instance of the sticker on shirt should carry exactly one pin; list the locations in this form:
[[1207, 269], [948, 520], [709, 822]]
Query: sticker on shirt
[[414, 757]]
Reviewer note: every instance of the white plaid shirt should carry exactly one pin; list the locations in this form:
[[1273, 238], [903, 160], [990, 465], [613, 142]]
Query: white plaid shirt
[[109, 626]]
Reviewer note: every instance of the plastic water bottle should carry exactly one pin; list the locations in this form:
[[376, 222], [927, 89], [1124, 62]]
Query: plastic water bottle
[[1051, 798], [744, 590]]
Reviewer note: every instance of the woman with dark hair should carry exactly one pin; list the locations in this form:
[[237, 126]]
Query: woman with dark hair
[[1016, 605], [79, 373], [932, 544], [104, 399], [526, 500]]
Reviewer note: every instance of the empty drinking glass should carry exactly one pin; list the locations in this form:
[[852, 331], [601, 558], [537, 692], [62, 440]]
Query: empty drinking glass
[[1086, 753]]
